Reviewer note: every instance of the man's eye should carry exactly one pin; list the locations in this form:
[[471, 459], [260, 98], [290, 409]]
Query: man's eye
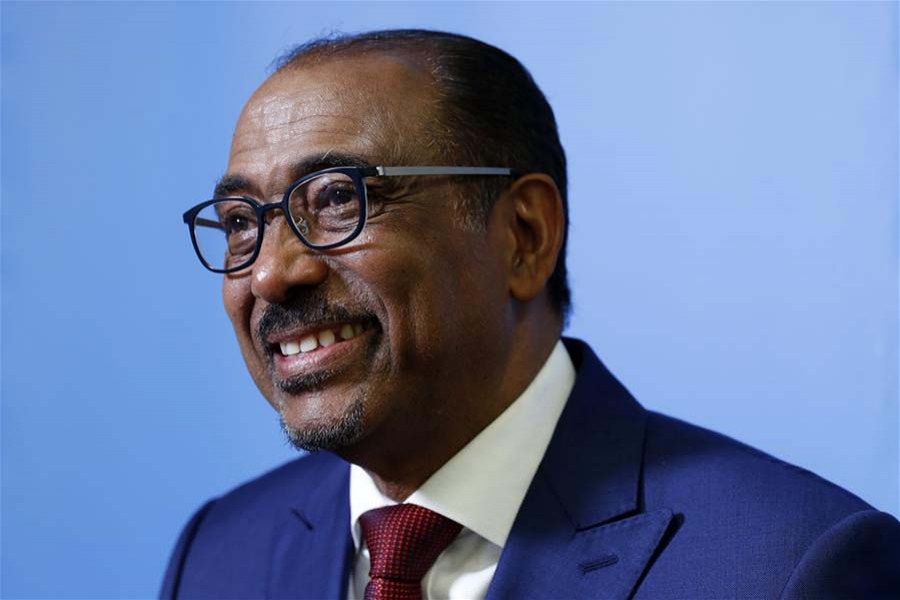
[[235, 224], [335, 196]]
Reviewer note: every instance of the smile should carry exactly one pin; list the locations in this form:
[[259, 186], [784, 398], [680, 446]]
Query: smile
[[312, 341], [320, 350]]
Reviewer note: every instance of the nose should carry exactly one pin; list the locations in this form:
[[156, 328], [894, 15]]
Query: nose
[[284, 265]]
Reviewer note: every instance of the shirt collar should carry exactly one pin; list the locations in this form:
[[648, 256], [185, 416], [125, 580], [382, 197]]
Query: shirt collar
[[484, 484]]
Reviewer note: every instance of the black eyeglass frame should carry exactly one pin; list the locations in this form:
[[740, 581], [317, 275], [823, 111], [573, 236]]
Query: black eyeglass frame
[[356, 174]]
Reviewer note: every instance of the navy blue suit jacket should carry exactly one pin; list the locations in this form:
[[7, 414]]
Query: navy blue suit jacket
[[626, 503]]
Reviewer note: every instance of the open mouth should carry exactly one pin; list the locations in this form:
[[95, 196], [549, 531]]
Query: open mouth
[[308, 341]]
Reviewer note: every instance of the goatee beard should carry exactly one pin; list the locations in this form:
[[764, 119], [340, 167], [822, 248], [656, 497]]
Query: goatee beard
[[346, 431]]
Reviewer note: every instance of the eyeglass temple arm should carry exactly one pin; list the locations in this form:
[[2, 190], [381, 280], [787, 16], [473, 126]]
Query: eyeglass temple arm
[[208, 223], [398, 171]]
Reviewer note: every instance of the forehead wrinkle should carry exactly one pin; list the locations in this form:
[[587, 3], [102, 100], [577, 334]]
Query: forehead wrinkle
[[272, 110], [360, 142], [271, 119], [293, 119], [315, 130]]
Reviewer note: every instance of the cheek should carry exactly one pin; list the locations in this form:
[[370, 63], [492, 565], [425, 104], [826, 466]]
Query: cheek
[[238, 303], [391, 275], [434, 290]]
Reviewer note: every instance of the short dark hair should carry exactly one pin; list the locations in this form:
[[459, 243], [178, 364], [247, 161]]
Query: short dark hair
[[493, 114]]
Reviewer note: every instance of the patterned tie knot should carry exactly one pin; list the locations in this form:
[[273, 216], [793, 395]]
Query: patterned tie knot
[[404, 541]]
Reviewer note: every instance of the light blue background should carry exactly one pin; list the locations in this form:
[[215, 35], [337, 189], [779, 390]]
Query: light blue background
[[734, 245]]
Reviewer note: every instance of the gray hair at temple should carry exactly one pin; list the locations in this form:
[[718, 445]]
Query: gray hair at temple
[[492, 113]]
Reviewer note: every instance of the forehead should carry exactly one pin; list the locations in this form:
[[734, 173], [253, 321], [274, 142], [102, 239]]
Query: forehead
[[374, 106]]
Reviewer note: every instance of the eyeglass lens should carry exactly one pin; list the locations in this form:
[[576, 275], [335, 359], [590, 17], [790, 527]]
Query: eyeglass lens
[[325, 210]]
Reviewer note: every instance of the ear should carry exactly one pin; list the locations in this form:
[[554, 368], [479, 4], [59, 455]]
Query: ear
[[536, 226]]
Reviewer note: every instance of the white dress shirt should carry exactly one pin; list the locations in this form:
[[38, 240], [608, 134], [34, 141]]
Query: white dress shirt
[[481, 488]]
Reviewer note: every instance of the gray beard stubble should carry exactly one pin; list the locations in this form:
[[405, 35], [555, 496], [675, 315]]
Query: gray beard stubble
[[328, 436]]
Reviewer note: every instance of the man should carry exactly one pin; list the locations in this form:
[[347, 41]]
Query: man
[[391, 229]]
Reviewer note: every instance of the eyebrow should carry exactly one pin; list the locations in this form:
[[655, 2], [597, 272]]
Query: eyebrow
[[232, 184], [228, 185]]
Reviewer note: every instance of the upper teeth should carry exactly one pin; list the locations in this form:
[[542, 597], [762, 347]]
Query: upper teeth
[[324, 338]]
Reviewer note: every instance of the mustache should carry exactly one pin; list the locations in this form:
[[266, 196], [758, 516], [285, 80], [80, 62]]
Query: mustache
[[308, 308]]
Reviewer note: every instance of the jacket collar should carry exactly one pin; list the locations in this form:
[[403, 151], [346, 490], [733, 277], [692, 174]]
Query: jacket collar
[[600, 436], [312, 549], [579, 531]]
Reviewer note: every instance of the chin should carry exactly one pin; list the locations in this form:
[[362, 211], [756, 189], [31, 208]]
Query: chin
[[331, 434]]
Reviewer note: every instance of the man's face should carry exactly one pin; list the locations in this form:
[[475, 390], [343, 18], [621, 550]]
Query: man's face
[[408, 320]]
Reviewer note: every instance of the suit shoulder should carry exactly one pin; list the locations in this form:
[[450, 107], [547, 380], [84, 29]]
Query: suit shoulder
[[736, 505], [856, 558], [711, 466]]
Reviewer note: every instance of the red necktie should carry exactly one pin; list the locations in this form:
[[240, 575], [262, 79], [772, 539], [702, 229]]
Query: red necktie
[[404, 541]]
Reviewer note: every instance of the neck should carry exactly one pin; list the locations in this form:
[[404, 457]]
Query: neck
[[401, 458]]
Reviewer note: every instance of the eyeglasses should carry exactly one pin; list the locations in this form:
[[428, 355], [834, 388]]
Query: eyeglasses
[[325, 209]]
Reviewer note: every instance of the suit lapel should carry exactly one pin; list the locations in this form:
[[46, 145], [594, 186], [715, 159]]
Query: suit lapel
[[313, 549], [578, 533]]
